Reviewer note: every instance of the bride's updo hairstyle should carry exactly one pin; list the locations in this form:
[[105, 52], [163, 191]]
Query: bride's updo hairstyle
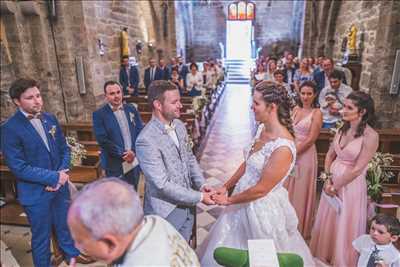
[[362, 101], [274, 93]]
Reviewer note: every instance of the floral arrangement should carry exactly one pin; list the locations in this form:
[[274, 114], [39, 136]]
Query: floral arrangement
[[376, 175], [338, 126], [198, 103], [78, 151]]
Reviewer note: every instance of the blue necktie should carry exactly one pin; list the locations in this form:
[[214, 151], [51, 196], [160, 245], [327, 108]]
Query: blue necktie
[[373, 258]]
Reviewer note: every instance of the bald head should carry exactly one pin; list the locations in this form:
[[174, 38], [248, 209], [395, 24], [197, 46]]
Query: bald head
[[107, 206]]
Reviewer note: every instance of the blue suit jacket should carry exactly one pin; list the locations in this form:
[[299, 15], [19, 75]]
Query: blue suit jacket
[[133, 79], [164, 73], [319, 78], [26, 155], [286, 75], [183, 71], [157, 76], [109, 136]]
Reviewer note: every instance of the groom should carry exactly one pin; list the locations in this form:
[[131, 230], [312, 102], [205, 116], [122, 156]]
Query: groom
[[174, 180]]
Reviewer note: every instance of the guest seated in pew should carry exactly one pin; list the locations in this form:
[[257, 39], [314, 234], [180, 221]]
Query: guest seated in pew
[[342, 211], [35, 150], [107, 222], [209, 76], [177, 80], [376, 248], [194, 81], [116, 127]]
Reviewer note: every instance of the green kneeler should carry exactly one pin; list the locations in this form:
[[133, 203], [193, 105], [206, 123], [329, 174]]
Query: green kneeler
[[232, 257]]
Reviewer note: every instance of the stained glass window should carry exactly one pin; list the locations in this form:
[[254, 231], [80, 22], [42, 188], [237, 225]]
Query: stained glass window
[[241, 10]]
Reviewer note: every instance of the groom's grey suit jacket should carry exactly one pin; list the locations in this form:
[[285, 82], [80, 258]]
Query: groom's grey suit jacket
[[172, 175]]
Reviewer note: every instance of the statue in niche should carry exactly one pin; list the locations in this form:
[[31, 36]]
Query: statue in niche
[[352, 39], [124, 43]]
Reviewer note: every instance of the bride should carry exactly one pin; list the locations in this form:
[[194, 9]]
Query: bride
[[259, 207]]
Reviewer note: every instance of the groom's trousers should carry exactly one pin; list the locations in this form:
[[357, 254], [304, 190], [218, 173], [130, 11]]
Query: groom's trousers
[[182, 218]]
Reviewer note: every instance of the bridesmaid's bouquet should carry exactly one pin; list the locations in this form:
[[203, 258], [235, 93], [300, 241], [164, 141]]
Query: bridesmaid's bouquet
[[377, 175]]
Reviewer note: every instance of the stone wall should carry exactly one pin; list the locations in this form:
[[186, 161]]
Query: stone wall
[[378, 37], [35, 46]]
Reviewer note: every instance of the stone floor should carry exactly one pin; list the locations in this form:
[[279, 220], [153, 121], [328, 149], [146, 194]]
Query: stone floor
[[230, 131]]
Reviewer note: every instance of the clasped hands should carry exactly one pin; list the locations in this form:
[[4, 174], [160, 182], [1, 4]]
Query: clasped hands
[[63, 177], [329, 189], [128, 156], [212, 196]]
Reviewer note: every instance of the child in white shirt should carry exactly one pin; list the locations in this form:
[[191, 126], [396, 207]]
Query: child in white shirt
[[377, 249]]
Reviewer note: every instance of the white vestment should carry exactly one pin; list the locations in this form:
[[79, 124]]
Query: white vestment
[[159, 244]]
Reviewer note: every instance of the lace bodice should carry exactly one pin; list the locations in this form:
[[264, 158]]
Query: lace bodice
[[256, 161]]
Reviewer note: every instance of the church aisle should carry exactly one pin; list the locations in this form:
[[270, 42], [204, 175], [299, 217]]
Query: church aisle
[[230, 131]]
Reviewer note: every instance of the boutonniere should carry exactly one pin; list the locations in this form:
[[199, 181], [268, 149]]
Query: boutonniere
[[132, 117], [52, 131]]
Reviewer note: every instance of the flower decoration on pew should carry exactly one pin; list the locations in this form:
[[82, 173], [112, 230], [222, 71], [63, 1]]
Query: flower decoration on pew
[[338, 126], [377, 174], [78, 151], [199, 103]]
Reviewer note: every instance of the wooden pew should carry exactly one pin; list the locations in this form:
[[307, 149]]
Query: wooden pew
[[143, 99], [389, 142], [83, 130], [145, 107]]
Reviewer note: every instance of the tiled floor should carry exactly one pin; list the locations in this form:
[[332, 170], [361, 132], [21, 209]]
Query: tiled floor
[[230, 131]]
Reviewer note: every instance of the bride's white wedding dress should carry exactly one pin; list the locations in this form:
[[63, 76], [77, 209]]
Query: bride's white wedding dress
[[269, 217]]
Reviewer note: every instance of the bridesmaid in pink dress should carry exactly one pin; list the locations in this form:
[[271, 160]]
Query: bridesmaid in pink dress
[[307, 119], [347, 159]]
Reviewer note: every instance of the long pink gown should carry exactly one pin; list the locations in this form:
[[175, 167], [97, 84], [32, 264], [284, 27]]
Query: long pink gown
[[333, 233], [302, 186]]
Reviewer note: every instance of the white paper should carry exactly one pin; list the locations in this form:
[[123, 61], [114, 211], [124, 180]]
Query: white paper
[[23, 214], [335, 202], [262, 253], [127, 167]]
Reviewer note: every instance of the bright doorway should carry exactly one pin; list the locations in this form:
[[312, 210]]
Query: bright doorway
[[238, 39]]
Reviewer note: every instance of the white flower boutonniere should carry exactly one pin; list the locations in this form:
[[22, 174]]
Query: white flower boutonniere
[[132, 117], [52, 131]]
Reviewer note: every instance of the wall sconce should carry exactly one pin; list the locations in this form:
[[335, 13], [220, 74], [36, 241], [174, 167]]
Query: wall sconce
[[150, 45], [101, 46], [139, 47]]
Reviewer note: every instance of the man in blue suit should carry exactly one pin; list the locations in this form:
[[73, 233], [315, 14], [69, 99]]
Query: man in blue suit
[[163, 70], [182, 69], [129, 78], [35, 150], [321, 78], [152, 73], [116, 127]]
